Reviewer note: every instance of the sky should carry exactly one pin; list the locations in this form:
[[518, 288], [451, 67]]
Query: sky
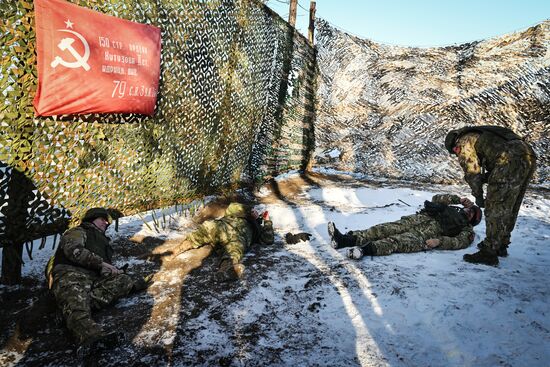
[[422, 23]]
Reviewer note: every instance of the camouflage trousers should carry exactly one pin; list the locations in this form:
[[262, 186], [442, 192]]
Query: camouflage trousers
[[233, 237], [408, 234], [77, 294], [506, 188]]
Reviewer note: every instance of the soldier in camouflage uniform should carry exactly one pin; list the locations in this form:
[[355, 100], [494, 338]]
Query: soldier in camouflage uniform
[[232, 234], [84, 278], [500, 158], [439, 225]]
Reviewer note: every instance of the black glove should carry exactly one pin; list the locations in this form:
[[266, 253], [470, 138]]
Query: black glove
[[480, 202], [295, 238]]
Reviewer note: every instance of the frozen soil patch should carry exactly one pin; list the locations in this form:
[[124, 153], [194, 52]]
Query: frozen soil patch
[[307, 304]]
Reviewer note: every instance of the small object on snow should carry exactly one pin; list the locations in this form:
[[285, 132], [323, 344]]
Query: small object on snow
[[292, 239]]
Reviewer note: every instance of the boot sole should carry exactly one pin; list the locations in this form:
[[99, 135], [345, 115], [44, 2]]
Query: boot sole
[[473, 261], [355, 253], [500, 253], [331, 227]]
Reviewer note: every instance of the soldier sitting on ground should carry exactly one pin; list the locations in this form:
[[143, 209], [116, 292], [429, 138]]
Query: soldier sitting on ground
[[438, 225], [82, 278], [232, 234]]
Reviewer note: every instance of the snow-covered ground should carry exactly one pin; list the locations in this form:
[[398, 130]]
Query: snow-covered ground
[[308, 305]]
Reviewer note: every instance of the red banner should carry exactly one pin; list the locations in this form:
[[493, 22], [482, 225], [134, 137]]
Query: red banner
[[90, 62]]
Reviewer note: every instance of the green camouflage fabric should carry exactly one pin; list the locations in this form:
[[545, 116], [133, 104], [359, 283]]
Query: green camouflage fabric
[[83, 248], [506, 167], [233, 234], [78, 293], [409, 234], [77, 285]]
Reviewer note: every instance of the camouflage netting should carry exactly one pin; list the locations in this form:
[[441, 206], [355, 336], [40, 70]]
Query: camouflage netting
[[235, 104], [385, 110]]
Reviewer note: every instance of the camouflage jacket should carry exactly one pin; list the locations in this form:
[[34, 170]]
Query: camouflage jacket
[[430, 226], [83, 249], [479, 152]]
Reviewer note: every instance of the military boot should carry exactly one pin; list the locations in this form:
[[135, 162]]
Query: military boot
[[484, 256], [502, 251], [228, 271], [142, 283], [339, 240], [87, 350], [481, 245], [359, 251]]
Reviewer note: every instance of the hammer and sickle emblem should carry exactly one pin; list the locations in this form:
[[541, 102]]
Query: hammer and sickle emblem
[[67, 44]]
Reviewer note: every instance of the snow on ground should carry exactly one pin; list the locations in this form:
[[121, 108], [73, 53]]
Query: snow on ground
[[308, 305]]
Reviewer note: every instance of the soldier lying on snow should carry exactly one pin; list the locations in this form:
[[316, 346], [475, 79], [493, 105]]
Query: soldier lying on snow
[[232, 235], [439, 225], [82, 278]]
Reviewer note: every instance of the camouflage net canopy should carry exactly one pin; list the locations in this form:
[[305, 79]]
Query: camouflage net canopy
[[235, 104], [385, 110]]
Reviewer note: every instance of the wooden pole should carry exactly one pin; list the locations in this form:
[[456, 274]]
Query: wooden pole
[[311, 28], [292, 12]]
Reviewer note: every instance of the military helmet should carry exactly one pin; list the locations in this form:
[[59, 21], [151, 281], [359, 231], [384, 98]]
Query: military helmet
[[93, 213], [450, 140], [236, 210]]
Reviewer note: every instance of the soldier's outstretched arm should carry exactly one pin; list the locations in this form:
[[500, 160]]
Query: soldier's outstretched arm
[[73, 246], [460, 241], [184, 246], [446, 199], [169, 249], [469, 161]]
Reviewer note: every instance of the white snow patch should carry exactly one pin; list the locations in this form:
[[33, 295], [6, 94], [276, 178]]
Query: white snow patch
[[422, 309]]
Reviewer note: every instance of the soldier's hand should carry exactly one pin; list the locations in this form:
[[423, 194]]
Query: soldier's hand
[[467, 203], [480, 202], [433, 242], [108, 269]]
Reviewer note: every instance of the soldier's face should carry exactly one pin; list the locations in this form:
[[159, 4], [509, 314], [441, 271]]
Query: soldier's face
[[101, 223]]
